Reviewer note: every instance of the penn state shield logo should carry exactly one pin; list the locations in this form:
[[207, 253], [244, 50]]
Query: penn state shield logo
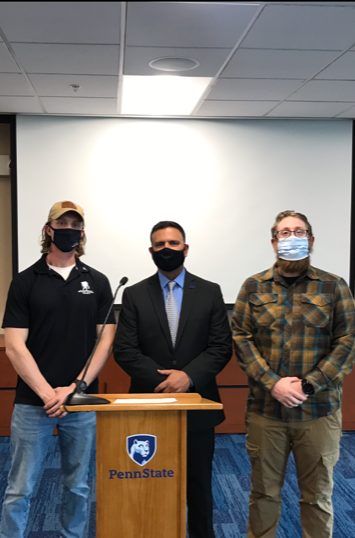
[[141, 448]]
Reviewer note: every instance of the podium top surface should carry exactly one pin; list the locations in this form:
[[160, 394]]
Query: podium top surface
[[184, 402]]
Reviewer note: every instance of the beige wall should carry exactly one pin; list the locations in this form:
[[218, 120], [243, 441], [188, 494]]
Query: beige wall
[[5, 224]]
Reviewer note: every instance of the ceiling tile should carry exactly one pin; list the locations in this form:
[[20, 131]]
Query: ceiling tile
[[14, 105], [61, 22], [253, 89], [350, 113], [77, 105], [303, 27], [343, 68], [256, 63], [59, 85], [7, 64], [14, 84], [291, 109], [137, 60], [235, 108], [186, 24], [325, 90], [70, 59]]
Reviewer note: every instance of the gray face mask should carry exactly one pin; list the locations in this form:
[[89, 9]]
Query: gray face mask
[[293, 248]]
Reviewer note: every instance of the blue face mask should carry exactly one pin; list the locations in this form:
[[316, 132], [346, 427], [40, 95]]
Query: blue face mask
[[293, 248]]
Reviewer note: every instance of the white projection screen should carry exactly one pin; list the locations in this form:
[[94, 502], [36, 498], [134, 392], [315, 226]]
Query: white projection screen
[[224, 181]]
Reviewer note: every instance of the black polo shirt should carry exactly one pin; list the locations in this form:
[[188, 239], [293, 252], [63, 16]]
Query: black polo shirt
[[62, 318]]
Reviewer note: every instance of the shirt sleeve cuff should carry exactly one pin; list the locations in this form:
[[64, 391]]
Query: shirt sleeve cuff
[[191, 382], [269, 380], [317, 379]]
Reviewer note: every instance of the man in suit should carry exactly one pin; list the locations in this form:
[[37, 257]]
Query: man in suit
[[173, 336]]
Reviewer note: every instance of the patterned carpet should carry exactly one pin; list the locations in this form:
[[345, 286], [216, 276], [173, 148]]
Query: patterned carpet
[[230, 487]]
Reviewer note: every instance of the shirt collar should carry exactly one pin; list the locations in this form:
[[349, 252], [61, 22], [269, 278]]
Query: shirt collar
[[272, 274], [312, 273], [180, 280], [41, 266]]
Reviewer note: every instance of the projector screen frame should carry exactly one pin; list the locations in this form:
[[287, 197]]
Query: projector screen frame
[[352, 215], [12, 121]]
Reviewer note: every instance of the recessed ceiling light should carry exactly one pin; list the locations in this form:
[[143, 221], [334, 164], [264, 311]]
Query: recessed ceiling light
[[162, 95], [174, 64]]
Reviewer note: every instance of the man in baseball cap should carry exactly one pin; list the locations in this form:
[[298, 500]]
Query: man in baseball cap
[[54, 311]]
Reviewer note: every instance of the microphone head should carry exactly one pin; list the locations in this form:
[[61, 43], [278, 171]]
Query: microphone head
[[123, 280]]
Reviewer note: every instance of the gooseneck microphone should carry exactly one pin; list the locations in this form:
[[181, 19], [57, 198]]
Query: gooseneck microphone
[[78, 397]]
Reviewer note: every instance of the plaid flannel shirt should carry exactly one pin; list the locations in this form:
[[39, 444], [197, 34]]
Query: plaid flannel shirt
[[306, 330]]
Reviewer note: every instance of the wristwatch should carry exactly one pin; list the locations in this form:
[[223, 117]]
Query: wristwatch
[[307, 387], [80, 385]]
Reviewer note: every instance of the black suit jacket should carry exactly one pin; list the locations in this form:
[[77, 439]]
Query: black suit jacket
[[203, 343]]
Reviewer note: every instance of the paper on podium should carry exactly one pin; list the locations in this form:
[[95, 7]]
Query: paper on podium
[[144, 400]]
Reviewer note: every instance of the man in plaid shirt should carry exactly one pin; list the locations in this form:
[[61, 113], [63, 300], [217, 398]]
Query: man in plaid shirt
[[294, 336]]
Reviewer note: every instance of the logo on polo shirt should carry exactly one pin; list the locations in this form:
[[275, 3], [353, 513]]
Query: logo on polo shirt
[[85, 288]]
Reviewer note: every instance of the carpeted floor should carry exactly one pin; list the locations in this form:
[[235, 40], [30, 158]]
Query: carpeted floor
[[230, 487]]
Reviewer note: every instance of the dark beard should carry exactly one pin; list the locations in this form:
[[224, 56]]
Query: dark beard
[[298, 267]]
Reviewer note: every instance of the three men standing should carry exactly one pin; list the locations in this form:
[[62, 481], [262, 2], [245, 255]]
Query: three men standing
[[54, 311], [294, 335], [173, 335]]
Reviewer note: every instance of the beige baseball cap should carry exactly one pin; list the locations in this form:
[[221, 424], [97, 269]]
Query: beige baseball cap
[[59, 208]]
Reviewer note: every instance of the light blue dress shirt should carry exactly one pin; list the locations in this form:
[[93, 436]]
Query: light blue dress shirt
[[178, 292], [178, 289]]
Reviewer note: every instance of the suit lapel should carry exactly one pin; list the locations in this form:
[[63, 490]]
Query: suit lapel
[[156, 296], [187, 301]]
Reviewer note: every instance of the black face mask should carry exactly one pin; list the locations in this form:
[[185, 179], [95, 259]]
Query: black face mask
[[168, 259], [66, 239]]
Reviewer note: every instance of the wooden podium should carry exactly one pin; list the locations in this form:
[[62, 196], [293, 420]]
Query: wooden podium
[[141, 464]]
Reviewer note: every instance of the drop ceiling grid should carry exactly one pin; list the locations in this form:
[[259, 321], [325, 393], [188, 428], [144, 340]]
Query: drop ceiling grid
[[293, 57], [81, 49], [294, 25]]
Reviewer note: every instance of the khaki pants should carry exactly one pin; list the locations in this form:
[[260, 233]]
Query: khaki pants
[[315, 446]]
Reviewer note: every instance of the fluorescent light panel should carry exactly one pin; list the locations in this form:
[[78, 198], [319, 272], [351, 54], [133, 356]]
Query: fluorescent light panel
[[162, 95]]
